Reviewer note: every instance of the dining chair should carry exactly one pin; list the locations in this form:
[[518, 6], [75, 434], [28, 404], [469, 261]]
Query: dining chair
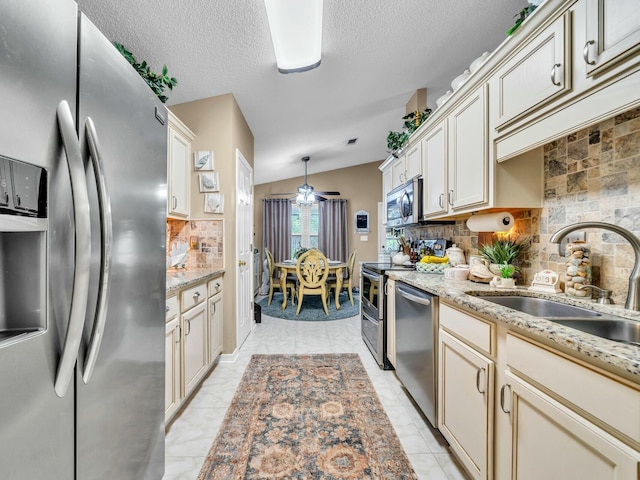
[[274, 278], [347, 282], [312, 270]]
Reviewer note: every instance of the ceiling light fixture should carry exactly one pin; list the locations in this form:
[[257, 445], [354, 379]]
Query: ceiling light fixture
[[296, 32]]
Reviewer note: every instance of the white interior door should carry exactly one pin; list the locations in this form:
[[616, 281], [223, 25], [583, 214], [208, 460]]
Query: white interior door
[[244, 234]]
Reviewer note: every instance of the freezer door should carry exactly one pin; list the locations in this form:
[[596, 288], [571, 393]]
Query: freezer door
[[37, 70], [120, 410], [38, 43]]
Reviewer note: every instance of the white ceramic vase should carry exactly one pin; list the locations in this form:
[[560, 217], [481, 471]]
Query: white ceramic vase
[[460, 79]]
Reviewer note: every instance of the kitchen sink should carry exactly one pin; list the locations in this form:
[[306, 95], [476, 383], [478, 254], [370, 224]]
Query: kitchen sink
[[617, 329], [541, 307], [601, 325]]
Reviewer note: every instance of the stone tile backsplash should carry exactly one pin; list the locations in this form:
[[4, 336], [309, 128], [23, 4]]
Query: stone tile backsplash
[[590, 175], [205, 239]]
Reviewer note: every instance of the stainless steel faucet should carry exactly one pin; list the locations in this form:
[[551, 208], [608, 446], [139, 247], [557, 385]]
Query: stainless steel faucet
[[633, 295]]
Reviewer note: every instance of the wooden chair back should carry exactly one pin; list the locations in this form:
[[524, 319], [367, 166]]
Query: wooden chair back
[[312, 269]]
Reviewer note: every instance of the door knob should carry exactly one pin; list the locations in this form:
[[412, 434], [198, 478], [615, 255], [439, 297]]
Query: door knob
[[242, 263]]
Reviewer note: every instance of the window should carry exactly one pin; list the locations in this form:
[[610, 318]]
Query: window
[[304, 226]]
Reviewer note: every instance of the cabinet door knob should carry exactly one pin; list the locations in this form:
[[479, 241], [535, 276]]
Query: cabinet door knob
[[586, 51], [166, 308], [196, 295], [450, 197], [174, 202], [441, 200], [554, 70], [188, 329]]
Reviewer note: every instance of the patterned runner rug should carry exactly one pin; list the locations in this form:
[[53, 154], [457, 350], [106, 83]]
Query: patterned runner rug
[[306, 417]]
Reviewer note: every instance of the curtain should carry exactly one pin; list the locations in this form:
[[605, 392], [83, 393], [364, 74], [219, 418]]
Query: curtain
[[333, 238], [276, 227]]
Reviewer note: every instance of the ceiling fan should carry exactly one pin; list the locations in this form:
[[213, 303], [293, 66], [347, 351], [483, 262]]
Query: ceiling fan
[[305, 191]]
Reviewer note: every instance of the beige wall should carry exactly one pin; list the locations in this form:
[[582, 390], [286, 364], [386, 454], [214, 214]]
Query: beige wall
[[219, 125], [360, 185]]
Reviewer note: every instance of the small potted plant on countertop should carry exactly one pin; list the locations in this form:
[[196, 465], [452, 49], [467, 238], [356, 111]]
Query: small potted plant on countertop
[[501, 252]]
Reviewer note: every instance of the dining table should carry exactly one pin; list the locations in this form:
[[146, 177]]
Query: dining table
[[289, 266]]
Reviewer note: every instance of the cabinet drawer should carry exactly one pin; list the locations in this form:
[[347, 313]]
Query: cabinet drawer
[[215, 286], [193, 296], [172, 308], [472, 330], [588, 390]]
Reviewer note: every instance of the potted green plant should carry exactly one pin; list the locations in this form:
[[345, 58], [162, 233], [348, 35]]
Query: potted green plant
[[156, 81], [412, 120], [507, 270], [500, 252]]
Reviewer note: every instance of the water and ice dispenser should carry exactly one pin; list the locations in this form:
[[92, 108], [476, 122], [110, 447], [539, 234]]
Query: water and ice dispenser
[[23, 252]]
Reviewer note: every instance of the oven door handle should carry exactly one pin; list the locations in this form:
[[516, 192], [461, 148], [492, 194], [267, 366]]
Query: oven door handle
[[372, 277], [413, 298], [371, 319]]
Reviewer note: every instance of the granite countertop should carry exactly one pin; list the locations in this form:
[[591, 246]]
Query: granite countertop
[[617, 357], [177, 279]]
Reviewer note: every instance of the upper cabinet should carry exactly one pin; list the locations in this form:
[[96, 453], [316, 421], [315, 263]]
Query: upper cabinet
[[468, 152], [435, 157], [573, 66], [539, 72], [613, 33], [179, 168]]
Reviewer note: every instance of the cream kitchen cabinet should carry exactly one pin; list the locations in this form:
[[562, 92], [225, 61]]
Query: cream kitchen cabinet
[[398, 172], [173, 358], [456, 159], [552, 441], [390, 296], [216, 311], [600, 74], [539, 72], [468, 162], [435, 157], [561, 416], [179, 168], [613, 34], [407, 166], [194, 345], [413, 161], [466, 389], [193, 339]]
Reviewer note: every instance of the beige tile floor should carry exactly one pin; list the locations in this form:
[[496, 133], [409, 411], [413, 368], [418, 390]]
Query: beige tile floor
[[191, 434]]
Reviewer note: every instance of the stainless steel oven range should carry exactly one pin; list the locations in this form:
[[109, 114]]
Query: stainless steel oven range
[[373, 309]]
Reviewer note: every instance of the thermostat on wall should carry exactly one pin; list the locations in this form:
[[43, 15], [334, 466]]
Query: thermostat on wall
[[362, 221]]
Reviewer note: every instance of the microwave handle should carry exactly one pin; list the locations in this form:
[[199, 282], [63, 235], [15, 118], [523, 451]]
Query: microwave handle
[[404, 194]]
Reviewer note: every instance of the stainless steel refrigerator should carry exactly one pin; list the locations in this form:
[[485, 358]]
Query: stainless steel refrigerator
[[82, 252]]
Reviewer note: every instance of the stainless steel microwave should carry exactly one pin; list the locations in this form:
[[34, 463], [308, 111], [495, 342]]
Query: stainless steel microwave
[[404, 204]]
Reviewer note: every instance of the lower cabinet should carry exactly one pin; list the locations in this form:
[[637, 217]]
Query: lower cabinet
[[173, 367], [465, 404], [513, 408], [194, 346], [193, 339], [551, 441], [215, 326]]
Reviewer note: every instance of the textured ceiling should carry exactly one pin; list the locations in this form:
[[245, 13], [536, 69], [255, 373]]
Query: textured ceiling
[[375, 54]]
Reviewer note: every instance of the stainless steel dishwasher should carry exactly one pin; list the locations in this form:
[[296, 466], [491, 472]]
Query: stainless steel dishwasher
[[416, 341]]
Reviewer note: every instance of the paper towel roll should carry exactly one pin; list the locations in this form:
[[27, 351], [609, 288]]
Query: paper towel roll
[[490, 222]]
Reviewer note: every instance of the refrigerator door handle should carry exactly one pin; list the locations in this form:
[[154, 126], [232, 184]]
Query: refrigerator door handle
[[106, 241], [82, 256]]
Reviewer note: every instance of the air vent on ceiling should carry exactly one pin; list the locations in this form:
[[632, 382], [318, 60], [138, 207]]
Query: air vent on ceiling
[[352, 141]]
